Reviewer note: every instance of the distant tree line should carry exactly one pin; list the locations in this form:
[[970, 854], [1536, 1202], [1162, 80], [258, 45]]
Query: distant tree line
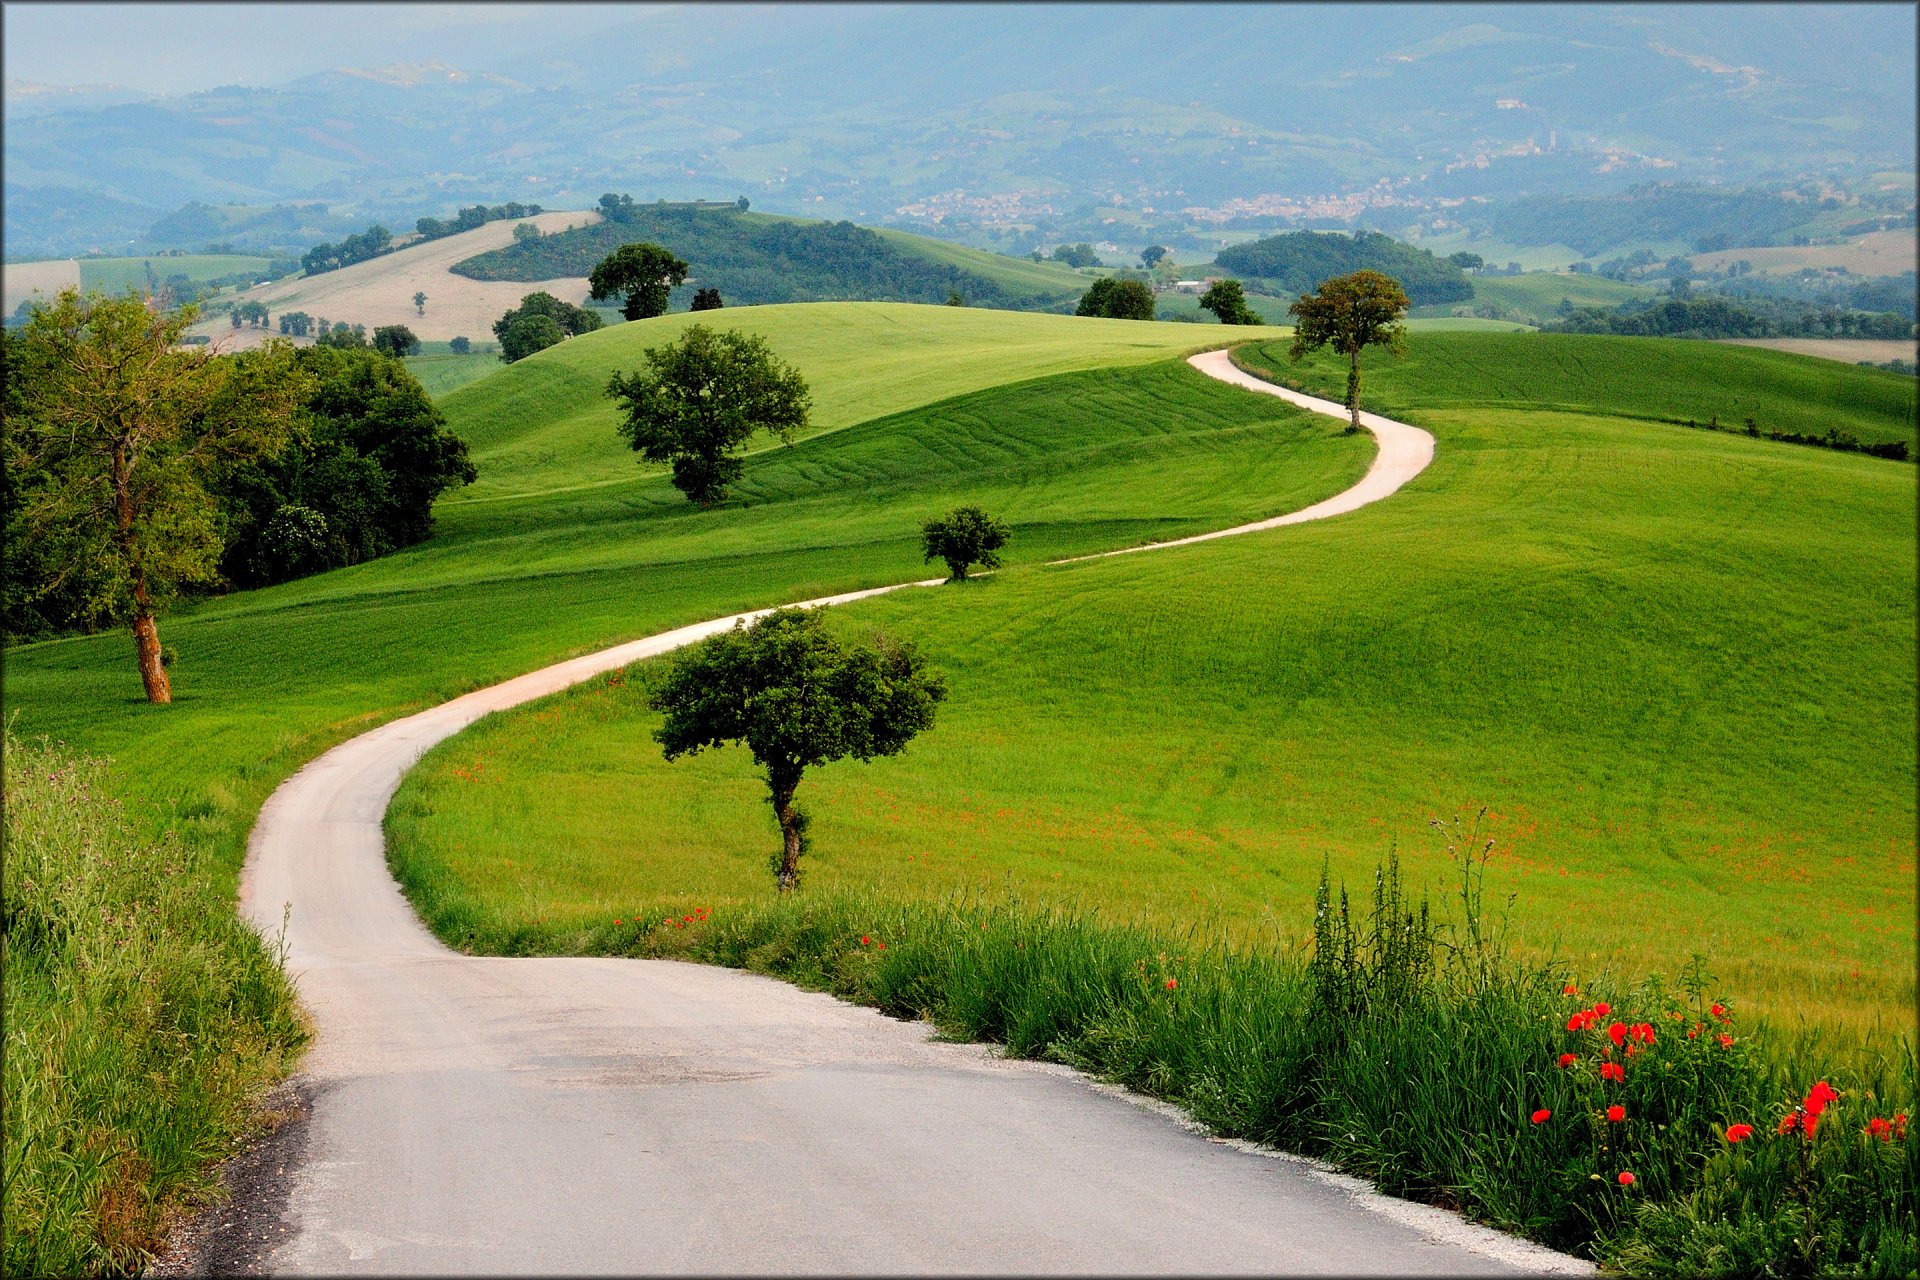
[[1881, 293], [371, 243], [1707, 219], [472, 218], [1301, 261], [749, 260], [1843, 441], [1707, 315]]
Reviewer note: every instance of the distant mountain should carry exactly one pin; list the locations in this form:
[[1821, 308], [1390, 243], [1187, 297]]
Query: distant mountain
[[1015, 124]]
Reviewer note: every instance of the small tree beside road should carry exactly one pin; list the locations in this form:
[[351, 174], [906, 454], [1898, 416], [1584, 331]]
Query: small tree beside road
[[964, 537], [1351, 313], [700, 398], [645, 273], [797, 696]]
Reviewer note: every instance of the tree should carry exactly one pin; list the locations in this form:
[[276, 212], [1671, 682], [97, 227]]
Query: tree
[[1118, 300], [1467, 261], [122, 430], [1228, 302], [700, 398], [419, 302], [1151, 255], [525, 231], [964, 537], [528, 334], [1351, 313], [797, 697], [344, 336], [395, 340], [645, 273], [707, 300], [459, 346], [955, 298]]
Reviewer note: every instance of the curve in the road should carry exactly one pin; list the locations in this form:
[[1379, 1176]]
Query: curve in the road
[[484, 1114]]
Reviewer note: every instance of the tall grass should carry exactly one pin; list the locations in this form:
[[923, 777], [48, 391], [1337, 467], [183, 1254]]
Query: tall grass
[[1406, 1045], [143, 1020]]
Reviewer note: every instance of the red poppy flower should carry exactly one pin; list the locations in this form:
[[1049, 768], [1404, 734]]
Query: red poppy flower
[[1692, 1032], [1880, 1129], [1617, 1033], [1643, 1032], [1603, 1009], [1632, 1049], [1578, 1022], [1569, 990], [1612, 1071], [1626, 1177], [1616, 1113], [1568, 1059], [1718, 1011], [1542, 1116], [1900, 1125], [865, 940], [1738, 1133], [1726, 1041], [1788, 1122], [616, 920], [1171, 984], [880, 946]]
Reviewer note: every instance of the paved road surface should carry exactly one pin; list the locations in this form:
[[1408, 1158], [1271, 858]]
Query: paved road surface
[[597, 1115]]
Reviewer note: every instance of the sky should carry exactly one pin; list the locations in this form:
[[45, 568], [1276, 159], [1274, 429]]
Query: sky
[[166, 48]]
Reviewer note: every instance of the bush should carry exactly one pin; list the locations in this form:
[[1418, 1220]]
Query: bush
[[1117, 300], [459, 346], [964, 537], [143, 1019]]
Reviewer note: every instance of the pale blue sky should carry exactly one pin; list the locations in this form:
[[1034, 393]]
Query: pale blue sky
[[180, 48]]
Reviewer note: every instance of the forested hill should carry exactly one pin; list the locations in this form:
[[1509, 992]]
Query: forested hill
[[756, 258], [1298, 261]]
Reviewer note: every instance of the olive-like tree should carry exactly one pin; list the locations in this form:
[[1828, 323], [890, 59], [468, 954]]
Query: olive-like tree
[[420, 302], [1117, 299], [1351, 313], [645, 273], [797, 697], [1228, 302], [964, 537], [121, 431], [700, 398]]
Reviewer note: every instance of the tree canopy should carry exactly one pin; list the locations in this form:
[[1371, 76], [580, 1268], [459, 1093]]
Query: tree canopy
[[797, 697], [1300, 261], [700, 398], [1117, 299], [395, 340], [521, 333], [1351, 313], [1228, 302], [646, 273], [964, 537]]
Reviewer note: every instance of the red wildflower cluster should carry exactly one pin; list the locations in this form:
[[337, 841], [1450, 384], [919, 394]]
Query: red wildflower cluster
[[1887, 1130], [1612, 1071], [1806, 1116], [1568, 1059]]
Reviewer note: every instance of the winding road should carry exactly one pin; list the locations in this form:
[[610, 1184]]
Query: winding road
[[491, 1115]]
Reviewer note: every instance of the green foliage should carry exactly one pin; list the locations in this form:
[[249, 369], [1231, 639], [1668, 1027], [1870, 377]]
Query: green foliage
[[342, 336], [1302, 261], [756, 259], [541, 321], [1467, 261], [471, 219], [1714, 316], [1076, 255], [701, 398], [1151, 255], [1228, 302], [143, 1019], [706, 300], [1117, 299], [964, 537], [644, 272], [371, 243], [460, 346], [797, 697], [1350, 314], [395, 340], [1652, 211]]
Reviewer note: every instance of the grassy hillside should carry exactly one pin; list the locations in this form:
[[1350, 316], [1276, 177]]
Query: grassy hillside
[[117, 274], [757, 258], [547, 423], [1534, 298], [1677, 667]]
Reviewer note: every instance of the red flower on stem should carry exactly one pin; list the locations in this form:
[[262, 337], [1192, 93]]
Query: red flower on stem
[[1718, 1011], [1171, 984], [1626, 1178], [1602, 1009], [1542, 1116], [1568, 1059], [1569, 990], [1617, 1033], [865, 940], [1739, 1133], [1616, 1113], [1612, 1071]]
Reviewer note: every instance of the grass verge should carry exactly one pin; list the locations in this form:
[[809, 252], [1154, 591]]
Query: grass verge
[[143, 1021]]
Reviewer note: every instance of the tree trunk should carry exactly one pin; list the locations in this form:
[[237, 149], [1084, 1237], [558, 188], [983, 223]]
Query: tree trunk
[[146, 646], [1353, 390], [788, 874]]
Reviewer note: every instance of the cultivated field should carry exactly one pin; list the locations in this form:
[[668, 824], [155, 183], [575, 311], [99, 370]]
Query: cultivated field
[[380, 291], [1849, 350], [23, 280], [1877, 253]]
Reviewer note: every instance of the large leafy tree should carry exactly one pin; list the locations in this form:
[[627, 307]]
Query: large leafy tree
[[540, 321], [700, 398], [964, 537], [646, 273], [797, 697], [1228, 302], [1117, 299], [119, 431], [1351, 313]]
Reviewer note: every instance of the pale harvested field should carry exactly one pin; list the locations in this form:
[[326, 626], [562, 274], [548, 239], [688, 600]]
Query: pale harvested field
[[1877, 253], [381, 291], [24, 279], [1850, 350]]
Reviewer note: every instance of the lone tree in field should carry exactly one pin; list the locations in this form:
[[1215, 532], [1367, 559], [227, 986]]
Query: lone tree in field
[[1350, 314], [395, 340], [645, 273], [964, 537], [1228, 302], [1117, 299], [797, 697], [700, 398], [706, 300], [1151, 255], [420, 302], [122, 432]]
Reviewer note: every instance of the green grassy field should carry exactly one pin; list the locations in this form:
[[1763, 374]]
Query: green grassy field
[[1677, 666], [1534, 298], [1018, 276], [441, 371], [116, 274], [548, 426]]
